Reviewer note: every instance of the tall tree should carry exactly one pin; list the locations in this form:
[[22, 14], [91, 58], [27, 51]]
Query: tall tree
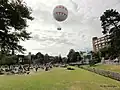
[[46, 58], [110, 22], [60, 59], [70, 55], [76, 57], [13, 22], [82, 54], [40, 57]]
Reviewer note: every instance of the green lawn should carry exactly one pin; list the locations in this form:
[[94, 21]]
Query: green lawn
[[59, 79], [115, 68]]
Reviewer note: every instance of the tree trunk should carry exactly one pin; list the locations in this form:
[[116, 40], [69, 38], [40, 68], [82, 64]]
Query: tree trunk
[[13, 52]]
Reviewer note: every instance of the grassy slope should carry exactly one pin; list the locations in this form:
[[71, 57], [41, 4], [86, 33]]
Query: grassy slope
[[58, 79], [115, 68]]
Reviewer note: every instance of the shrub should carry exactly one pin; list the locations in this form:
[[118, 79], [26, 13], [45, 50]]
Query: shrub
[[69, 68]]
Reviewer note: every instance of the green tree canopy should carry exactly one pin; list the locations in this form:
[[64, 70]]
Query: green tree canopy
[[110, 22], [70, 55], [13, 23], [74, 56]]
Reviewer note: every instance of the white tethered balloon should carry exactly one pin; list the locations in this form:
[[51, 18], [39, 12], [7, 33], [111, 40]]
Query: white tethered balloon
[[60, 13]]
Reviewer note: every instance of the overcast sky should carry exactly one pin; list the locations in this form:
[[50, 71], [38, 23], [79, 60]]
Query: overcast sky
[[77, 31]]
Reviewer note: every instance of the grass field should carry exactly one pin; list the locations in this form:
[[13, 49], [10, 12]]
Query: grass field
[[115, 68], [59, 79]]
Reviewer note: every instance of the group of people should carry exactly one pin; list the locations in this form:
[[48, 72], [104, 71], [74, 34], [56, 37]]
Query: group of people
[[46, 67], [25, 69]]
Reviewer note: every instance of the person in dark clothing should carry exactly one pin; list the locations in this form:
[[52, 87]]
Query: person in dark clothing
[[20, 67], [36, 69], [46, 69], [28, 68]]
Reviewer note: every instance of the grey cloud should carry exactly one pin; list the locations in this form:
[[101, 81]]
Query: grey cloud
[[45, 16], [77, 31], [65, 41], [43, 13], [74, 19], [80, 33], [83, 36], [75, 5], [38, 49], [59, 40], [71, 34]]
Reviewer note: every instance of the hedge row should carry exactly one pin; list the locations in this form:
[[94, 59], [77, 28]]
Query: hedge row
[[105, 73]]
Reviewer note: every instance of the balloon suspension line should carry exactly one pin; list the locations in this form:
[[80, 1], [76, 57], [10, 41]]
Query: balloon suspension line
[[59, 27]]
